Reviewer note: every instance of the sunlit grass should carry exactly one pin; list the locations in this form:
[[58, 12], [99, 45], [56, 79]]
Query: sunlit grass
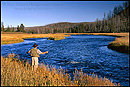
[[16, 38], [108, 34], [122, 41], [120, 44], [17, 73]]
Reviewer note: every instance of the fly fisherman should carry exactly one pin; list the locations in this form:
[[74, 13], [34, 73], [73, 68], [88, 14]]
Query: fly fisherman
[[35, 54]]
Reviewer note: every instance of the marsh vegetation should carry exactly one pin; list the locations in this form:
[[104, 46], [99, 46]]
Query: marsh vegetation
[[17, 73]]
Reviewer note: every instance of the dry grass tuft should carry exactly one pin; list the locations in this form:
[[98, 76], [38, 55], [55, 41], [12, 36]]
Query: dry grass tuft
[[56, 38], [16, 73], [120, 44], [122, 41]]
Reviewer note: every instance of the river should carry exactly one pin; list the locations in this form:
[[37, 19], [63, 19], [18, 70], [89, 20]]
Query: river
[[88, 52]]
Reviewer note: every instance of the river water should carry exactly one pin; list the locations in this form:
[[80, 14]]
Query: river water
[[88, 52]]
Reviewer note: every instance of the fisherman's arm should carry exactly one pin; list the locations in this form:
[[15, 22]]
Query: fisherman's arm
[[44, 52]]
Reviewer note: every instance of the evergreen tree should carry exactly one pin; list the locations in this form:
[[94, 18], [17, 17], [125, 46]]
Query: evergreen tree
[[8, 29], [2, 26], [97, 25], [120, 8], [103, 23], [80, 28], [115, 10], [55, 30], [13, 29], [18, 28], [21, 28], [48, 31], [110, 14], [125, 4]]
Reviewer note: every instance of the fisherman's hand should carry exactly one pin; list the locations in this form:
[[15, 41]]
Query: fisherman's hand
[[46, 51], [27, 52]]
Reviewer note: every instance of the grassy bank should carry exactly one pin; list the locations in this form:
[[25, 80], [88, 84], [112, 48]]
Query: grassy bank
[[120, 44], [7, 38], [16, 38], [17, 73]]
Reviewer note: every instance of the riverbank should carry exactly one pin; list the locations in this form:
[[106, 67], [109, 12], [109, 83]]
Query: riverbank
[[19, 73], [48, 82], [16, 38], [120, 44]]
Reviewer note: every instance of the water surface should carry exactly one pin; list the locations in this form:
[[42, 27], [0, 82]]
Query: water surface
[[88, 52]]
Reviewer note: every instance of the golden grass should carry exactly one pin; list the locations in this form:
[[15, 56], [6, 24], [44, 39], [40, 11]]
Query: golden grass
[[122, 41], [15, 38], [108, 34], [16, 73], [12, 32], [120, 44]]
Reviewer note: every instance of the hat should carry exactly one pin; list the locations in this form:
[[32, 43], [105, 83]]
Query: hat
[[35, 45]]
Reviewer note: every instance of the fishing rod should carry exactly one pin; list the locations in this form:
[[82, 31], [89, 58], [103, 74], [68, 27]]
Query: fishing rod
[[48, 53], [91, 57], [97, 62]]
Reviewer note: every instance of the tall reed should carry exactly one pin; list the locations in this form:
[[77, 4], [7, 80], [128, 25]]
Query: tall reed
[[17, 73]]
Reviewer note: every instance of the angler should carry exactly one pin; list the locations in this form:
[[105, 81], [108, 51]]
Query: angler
[[35, 54]]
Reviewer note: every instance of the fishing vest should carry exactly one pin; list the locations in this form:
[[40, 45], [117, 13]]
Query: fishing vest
[[34, 52]]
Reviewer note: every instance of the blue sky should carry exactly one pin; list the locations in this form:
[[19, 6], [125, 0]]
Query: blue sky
[[40, 13]]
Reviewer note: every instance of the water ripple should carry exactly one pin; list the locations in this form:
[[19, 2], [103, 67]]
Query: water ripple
[[88, 52]]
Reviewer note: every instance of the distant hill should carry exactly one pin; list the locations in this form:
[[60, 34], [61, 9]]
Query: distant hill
[[61, 27], [118, 22]]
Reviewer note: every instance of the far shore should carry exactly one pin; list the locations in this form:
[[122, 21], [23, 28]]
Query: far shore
[[120, 44]]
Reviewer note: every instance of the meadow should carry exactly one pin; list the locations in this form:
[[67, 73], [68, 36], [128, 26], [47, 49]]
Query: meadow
[[8, 37], [19, 73], [16, 38]]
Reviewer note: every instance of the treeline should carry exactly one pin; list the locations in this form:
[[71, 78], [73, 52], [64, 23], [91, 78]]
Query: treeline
[[12, 29], [114, 21], [61, 27]]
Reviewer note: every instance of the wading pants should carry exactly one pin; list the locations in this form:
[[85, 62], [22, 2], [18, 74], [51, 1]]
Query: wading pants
[[34, 63]]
